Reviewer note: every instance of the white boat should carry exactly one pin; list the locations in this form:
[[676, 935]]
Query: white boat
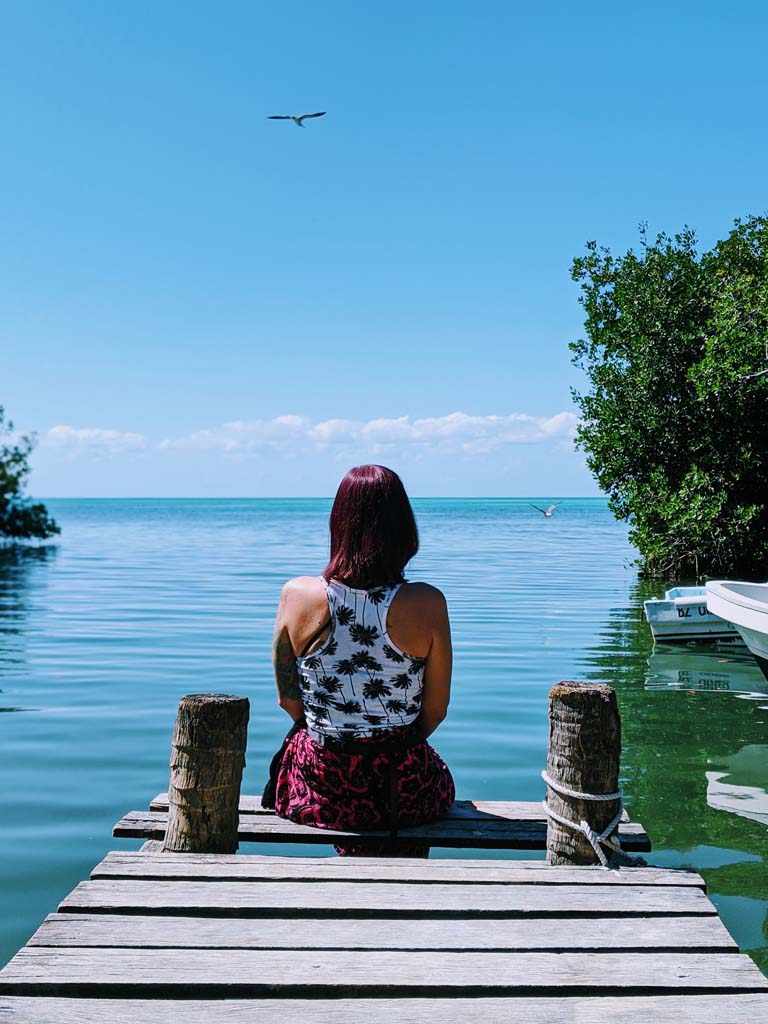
[[746, 606], [682, 614]]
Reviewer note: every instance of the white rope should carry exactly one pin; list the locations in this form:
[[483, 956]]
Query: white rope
[[596, 839], [560, 788]]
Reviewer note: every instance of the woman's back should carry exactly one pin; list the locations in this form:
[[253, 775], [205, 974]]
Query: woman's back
[[414, 625], [358, 681]]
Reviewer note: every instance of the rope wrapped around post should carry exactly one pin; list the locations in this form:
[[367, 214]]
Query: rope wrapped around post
[[596, 839]]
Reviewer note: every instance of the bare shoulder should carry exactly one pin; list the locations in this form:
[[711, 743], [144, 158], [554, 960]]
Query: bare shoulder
[[304, 585], [302, 591], [425, 596]]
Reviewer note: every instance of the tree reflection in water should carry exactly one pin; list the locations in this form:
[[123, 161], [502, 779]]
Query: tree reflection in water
[[23, 575], [675, 740]]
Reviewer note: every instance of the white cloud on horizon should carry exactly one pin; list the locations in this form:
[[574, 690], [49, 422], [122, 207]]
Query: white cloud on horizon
[[455, 433], [94, 440]]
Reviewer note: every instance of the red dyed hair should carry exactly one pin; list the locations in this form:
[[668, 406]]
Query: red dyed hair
[[373, 531]]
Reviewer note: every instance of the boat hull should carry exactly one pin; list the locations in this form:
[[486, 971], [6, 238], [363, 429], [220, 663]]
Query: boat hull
[[758, 645], [746, 606], [682, 615]]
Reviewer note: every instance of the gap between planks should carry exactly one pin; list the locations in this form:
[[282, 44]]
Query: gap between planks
[[239, 973], [671, 934], [741, 1008], [390, 899], [250, 867]]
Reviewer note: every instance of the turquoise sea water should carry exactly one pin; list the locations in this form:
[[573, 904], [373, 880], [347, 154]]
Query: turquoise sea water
[[143, 601]]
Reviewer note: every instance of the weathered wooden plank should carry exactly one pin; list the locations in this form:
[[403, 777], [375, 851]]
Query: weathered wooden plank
[[240, 973], [734, 1008], [512, 810], [491, 833], [216, 867], [389, 899], [555, 934]]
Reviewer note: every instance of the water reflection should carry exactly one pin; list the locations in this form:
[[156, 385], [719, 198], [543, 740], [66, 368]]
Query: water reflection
[[748, 801], [735, 790], [695, 760], [704, 667], [23, 576]]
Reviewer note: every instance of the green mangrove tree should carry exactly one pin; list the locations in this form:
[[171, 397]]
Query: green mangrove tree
[[20, 518], [674, 422]]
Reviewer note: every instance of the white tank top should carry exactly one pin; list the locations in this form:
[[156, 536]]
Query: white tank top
[[358, 683]]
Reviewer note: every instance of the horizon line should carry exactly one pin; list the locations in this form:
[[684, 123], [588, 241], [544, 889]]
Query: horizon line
[[314, 497]]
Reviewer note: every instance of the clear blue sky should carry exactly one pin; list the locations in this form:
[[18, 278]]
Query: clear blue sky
[[177, 272]]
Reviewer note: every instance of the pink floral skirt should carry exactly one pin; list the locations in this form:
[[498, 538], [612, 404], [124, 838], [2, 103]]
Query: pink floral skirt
[[322, 787]]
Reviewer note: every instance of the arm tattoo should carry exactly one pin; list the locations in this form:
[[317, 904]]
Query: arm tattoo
[[286, 673]]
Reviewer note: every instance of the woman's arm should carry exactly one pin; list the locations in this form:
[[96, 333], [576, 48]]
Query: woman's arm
[[437, 672], [284, 661]]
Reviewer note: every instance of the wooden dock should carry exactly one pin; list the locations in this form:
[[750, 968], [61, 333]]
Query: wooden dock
[[204, 939], [158, 937]]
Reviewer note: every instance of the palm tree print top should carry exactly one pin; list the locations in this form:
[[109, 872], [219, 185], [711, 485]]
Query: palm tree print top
[[358, 683]]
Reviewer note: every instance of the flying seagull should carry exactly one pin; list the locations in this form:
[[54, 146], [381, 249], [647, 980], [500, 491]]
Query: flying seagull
[[298, 121], [547, 511]]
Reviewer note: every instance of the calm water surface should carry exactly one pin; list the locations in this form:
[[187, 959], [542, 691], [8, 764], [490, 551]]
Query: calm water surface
[[144, 601]]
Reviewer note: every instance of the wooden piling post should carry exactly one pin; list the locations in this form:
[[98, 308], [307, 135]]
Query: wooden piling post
[[207, 760], [583, 756]]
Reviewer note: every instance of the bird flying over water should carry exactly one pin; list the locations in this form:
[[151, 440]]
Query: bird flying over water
[[547, 511], [298, 121]]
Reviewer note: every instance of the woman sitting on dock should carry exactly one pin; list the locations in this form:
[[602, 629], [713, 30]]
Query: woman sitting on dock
[[363, 665]]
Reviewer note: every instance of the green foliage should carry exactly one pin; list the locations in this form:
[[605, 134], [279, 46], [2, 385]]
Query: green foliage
[[674, 432], [20, 519]]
